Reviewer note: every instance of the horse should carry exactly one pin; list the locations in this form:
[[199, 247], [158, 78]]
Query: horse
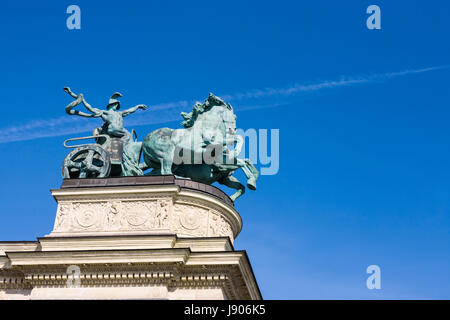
[[200, 151]]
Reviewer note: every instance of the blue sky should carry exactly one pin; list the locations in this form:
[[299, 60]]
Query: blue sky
[[363, 118]]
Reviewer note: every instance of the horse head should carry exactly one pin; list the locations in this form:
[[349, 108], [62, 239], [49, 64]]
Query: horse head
[[213, 120]]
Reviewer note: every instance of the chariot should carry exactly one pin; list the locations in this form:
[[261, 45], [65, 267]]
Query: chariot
[[95, 160]]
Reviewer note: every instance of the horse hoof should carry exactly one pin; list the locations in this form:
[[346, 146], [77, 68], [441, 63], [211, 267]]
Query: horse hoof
[[251, 184]]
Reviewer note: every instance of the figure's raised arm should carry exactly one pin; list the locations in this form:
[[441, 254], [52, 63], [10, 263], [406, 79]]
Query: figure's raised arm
[[96, 112], [80, 99], [134, 109]]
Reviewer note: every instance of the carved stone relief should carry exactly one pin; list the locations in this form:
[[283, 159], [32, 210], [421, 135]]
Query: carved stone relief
[[189, 218], [218, 226]]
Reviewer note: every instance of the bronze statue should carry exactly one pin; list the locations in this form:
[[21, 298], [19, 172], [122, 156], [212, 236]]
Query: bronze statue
[[199, 151]]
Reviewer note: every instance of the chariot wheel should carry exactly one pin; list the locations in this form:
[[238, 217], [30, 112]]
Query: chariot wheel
[[90, 161]]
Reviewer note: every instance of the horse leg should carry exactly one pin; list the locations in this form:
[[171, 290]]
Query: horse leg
[[166, 160], [250, 172], [233, 183], [166, 166]]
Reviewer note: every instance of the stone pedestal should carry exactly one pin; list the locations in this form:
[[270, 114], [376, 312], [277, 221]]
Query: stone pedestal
[[132, 238]]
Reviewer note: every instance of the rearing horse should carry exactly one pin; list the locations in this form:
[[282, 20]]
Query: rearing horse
[[200, 150]]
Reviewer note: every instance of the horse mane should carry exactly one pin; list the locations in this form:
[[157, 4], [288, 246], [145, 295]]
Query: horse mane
[[199, 108]]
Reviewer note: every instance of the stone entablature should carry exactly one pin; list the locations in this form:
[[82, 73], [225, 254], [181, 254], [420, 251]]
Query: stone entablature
[[127, 267]]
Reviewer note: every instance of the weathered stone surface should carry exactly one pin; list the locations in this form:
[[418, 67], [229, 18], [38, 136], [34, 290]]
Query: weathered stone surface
[[147, 180], [141, 209], [132, 241], [127, 267]]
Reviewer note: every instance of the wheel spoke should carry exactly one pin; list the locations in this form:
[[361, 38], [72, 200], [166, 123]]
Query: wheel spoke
[[94, 168], [89, 157], [73, 164]]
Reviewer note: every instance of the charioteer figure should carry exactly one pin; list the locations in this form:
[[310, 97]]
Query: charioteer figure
[[124, 153]]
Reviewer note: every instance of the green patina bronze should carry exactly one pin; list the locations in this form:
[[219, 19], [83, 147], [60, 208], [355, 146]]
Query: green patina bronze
[[115, 152], [206, 150]]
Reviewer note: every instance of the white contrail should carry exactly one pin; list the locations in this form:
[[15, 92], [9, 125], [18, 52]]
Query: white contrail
[[168, 112], [344, 81]]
